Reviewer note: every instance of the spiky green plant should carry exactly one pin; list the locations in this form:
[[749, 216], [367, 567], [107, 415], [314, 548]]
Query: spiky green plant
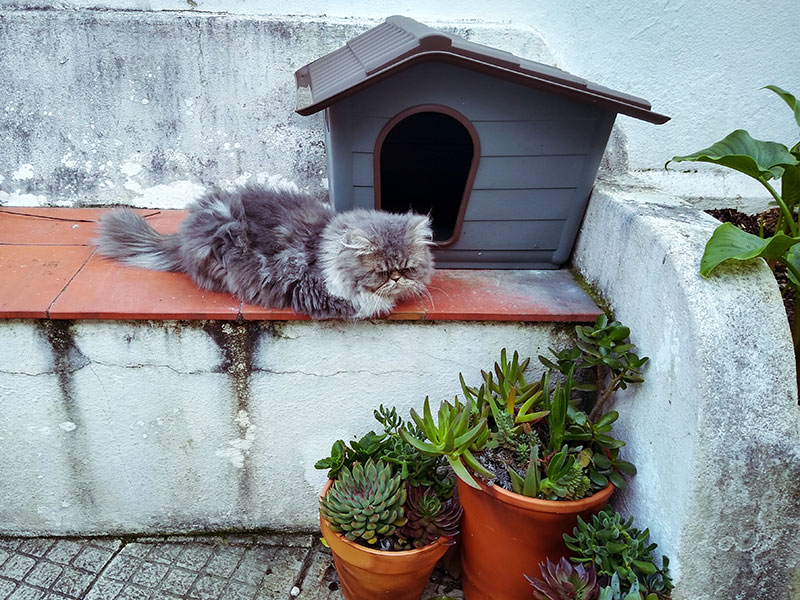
[[612, 545], [365, 502], [564, 581], [428, 518]]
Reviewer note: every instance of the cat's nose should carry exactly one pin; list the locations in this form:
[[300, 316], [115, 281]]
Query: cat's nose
[[395, 275]]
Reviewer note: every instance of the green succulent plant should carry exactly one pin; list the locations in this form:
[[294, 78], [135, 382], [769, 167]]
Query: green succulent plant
[[612, 545], [564, 581], [453, 436], [428, 518], [365, 502], [614, 591], [414, 467]]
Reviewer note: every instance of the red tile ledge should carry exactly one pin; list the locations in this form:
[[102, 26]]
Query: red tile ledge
[[49, 270]]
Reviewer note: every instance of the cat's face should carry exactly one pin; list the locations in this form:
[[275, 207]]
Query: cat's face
[[382, 254]]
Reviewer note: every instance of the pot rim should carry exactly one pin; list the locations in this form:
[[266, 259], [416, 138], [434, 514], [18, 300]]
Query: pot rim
[[549, 506], [432, 547]]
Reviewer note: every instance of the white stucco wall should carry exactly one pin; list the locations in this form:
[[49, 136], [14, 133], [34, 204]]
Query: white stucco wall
[[700, 63], [159, 427], [714, 430]]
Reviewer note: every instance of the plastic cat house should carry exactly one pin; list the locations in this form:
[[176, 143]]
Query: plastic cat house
[[502, 152]]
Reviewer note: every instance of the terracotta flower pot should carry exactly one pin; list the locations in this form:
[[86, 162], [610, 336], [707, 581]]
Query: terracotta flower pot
[[505, 535], [368, 574]]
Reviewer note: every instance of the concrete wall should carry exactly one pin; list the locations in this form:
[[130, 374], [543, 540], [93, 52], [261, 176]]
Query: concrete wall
[[148, 108], [122, 427], [148, 103], [714, 431]]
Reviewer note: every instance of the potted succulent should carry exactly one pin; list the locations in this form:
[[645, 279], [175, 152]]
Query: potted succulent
[[610, 560], [388, 513], [532, 457]]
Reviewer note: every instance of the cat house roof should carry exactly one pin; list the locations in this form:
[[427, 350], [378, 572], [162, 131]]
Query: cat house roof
[[400, 42]]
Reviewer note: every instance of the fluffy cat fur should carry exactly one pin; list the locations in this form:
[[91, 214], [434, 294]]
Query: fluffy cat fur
[[284, 249]]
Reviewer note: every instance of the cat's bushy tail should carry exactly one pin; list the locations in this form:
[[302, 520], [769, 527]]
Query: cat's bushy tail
[[129, 239]]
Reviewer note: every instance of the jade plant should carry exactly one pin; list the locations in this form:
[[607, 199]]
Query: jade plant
[[616, 549], [385, 492], [549, 438], [767, 162]]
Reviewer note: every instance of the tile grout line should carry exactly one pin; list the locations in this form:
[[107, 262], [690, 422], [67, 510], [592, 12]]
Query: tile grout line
[[305, 566], [66, 285], [102, 570]]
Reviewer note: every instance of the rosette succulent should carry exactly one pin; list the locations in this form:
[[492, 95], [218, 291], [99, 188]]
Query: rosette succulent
[[428, 518], [564, 581], [365, 502]]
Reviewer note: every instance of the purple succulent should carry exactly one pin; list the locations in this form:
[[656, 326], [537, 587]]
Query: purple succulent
[[428, 517], [564, 581]]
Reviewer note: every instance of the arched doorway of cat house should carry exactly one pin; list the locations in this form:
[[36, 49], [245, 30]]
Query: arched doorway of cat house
[[426, 158]]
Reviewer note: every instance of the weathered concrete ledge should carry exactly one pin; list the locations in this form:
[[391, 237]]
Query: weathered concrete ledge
[[112, 427], [714, 431]]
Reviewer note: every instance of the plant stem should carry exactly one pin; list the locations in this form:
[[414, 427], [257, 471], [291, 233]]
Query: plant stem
[[597, 409], [784, 209]]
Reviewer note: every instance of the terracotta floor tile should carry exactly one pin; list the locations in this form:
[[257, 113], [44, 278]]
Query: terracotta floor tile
[[166, 221], [106, 290], [509, 296], [31, 277], [42, 249], [51, 226], [410, 310]]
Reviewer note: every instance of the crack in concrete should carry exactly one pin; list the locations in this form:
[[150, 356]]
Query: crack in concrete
[[341, 372]]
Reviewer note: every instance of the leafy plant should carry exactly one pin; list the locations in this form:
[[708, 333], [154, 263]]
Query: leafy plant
[[451, 436], [764, 161], [613, 591], [415, 468], [365, 502], [426, 484], [535, 431], [613, 546], [564, 581]]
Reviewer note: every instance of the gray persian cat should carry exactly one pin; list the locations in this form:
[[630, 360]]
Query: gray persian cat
[[284, 249]]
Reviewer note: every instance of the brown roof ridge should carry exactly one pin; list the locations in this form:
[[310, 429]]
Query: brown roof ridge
[[400, 41]]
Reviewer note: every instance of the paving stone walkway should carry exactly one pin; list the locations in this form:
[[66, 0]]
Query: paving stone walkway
[[241, 567]]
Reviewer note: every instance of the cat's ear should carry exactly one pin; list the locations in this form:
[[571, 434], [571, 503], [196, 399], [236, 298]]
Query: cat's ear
[[360, 244], [421, 227]]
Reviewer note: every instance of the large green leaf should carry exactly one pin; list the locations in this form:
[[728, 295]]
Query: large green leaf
[[739, 151], [792, 258], [790, 186], [730, 242], [788, 98]]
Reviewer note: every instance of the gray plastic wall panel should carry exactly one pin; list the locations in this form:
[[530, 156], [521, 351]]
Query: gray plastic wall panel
[[510, 235], [584, 189], [522, 204], [477, 96], [493, 259], [363, 197], [337, 146], [362, 169], [514, 172], [535, 137], [539, 158]]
